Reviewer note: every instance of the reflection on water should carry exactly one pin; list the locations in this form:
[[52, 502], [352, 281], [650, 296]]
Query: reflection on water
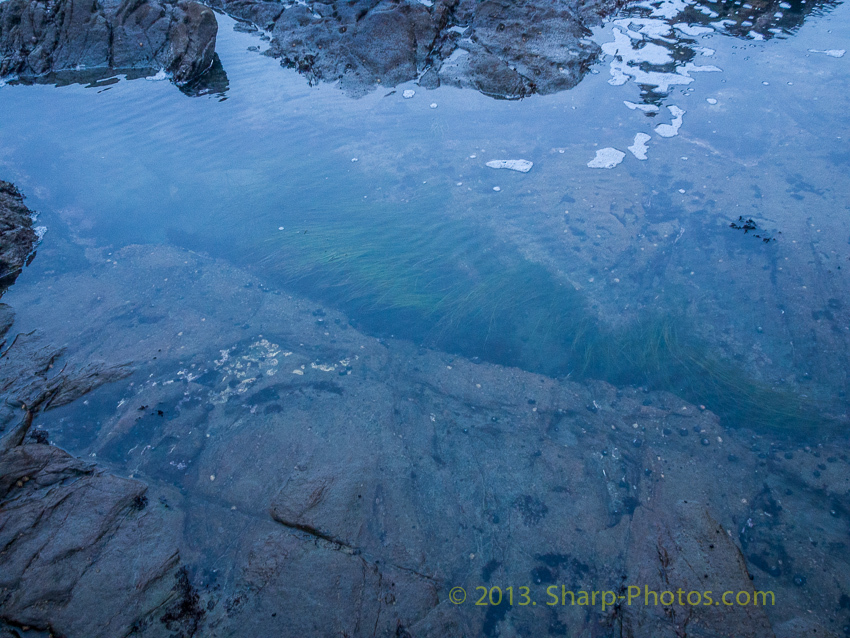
[[213, 81], [389, 214]]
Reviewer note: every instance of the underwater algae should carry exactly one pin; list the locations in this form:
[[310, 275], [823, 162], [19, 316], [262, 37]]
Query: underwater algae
[[497, 306]]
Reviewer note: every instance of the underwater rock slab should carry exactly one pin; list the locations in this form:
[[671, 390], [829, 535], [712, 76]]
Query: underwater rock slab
[[38, 38], [685, 550], [386, 474]]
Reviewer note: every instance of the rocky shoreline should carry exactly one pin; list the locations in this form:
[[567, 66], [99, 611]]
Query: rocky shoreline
[[38, 39], [503, 49]]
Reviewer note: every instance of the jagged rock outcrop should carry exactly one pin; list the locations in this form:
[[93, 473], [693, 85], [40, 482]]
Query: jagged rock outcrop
[[83, 554], [38, 38], [17, 237], [501, 48]]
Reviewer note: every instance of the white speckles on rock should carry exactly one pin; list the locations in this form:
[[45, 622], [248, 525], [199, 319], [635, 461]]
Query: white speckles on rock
[[639, 148], [672, 129], [519, 165], [606, 158]]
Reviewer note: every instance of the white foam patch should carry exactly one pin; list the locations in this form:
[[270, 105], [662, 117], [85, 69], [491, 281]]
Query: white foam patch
[[606, 158], [40, 232], [409, 93], [639, 148], [646, 108], [648, 28], [161, 75], [711, 100], [705, 51], [621, 72], [622, 47], [520, 165], [690, 67], [672, 129], [722, 24], [693, 30], [833, 53], [668, 9]]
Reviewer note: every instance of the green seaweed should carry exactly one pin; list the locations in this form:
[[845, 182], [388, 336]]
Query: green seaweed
[[421, 280]]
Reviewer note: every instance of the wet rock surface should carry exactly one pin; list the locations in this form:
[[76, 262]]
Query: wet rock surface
[[41, 38], [322, 482], [17, 237], [503, 49]]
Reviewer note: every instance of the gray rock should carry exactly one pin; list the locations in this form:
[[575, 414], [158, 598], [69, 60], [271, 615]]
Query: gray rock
[[82, 553], [509, 50], [40, 38], [17, 237]]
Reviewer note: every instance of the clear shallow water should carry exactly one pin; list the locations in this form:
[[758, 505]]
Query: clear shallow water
[[242, 396], [630, 274]]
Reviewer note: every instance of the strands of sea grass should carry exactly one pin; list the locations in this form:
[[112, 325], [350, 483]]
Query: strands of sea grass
[[428, 283]]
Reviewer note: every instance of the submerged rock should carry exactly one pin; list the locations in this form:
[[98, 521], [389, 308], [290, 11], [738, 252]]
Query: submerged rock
[[40, 38], [384, 475]]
